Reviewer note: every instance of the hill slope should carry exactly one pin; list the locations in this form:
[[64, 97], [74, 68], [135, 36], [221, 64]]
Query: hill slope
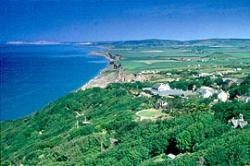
[[53, 136]]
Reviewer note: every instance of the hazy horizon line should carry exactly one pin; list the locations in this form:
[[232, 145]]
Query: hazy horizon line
[[164, 39]]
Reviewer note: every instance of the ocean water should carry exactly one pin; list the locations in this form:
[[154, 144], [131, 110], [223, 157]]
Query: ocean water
[[34, 76]]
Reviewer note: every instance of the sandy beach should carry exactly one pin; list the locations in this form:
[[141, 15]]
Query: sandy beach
[[106, 76]]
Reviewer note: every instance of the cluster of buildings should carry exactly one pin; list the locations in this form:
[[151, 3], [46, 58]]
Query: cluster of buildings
[[207, 92], [220, 73], [162, 89]]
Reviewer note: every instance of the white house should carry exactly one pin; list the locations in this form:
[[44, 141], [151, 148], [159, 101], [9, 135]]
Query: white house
[[223, 96], [161, 87], [206, 91]]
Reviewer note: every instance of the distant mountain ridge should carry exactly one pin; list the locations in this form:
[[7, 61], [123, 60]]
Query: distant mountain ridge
[[163, 42]]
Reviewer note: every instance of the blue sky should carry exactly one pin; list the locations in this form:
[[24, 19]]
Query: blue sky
[[105, 20]]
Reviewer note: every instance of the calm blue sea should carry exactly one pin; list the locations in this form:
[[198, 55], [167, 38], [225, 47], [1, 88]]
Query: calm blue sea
[[34, 76]]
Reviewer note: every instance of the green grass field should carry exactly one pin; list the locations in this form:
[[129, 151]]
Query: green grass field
[[150, 113], [160, 55]]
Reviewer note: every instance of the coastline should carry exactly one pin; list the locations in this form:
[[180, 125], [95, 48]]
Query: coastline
[[112, 73], [99, 80], [90, 83]]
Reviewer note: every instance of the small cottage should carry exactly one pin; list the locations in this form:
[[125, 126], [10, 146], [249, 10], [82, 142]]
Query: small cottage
[[223, 96], [239, 122]]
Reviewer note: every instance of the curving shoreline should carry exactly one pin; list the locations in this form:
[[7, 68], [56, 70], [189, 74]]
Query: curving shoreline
[[102, 79], [113, 73]]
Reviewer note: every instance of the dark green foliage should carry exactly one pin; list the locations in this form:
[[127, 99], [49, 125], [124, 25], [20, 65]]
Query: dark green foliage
[[195, 82], [179, 85], [81, 132], [235, 90], [50, 137], [225, 111]]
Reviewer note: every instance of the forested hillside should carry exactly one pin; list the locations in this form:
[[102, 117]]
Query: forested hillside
[[99, 127]]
